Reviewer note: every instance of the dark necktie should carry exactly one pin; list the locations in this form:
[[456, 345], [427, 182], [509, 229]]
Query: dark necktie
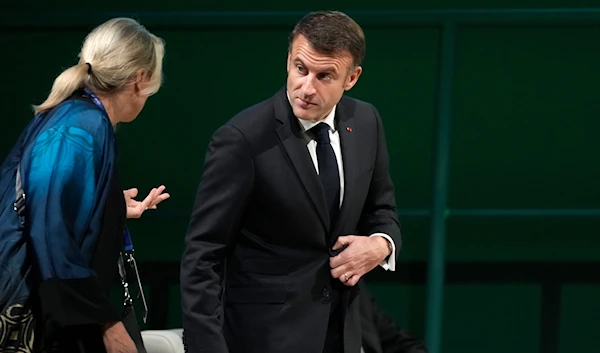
[[328, 170]]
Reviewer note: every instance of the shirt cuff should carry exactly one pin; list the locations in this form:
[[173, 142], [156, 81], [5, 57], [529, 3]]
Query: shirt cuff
[[390, 264]]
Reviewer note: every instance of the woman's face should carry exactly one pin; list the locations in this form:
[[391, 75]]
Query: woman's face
[[134, 97]]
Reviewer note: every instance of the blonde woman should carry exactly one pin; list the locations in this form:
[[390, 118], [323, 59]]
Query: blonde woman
[[63, 244]]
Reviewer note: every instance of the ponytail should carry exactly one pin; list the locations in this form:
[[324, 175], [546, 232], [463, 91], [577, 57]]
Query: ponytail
[[64, 85]]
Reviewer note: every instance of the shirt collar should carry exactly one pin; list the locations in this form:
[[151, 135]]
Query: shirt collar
[[307, 124]]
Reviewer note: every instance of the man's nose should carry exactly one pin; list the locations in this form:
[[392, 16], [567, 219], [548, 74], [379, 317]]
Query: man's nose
[[308, 88]]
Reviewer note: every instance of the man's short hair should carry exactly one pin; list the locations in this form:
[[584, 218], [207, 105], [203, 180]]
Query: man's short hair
[[330, 33]]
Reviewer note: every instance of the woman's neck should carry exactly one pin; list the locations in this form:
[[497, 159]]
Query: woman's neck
[[111, 108]]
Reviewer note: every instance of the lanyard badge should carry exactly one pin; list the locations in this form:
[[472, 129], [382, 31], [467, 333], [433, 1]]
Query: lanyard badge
[[127, 262]]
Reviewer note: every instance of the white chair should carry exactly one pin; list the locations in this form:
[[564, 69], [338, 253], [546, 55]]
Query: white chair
[[163, 341]]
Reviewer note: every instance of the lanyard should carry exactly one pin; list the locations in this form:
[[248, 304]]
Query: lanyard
[[128, 242], [128, 245], [127, 237], [95, 99]]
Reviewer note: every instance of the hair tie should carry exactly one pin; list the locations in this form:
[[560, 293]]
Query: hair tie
[[89, 68]]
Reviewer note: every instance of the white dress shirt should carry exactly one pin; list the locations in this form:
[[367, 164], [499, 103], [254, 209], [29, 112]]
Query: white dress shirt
[[334, 138]]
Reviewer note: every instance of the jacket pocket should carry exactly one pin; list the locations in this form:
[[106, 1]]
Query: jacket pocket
[[265, 266]]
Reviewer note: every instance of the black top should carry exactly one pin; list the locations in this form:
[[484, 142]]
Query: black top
[[91, 300]]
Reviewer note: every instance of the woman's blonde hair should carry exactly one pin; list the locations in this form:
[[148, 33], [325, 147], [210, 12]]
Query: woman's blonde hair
[[111, 56]]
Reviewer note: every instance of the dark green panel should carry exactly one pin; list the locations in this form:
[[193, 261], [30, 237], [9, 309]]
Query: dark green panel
[[158, 238], [405, 304], [579, 319], [285, 20], [115, 5], [491, 319], [399, 78], [175, 318], [526, 108], [30, 74], [523, 239], [414, 239]]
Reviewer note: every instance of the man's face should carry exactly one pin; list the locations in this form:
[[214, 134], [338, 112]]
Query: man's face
[[316, 82]]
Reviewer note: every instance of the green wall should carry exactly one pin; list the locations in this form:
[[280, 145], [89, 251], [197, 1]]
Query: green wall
[[266, 5], [525, 119]]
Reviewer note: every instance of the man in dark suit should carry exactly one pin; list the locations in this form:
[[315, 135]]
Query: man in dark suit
[[295, 205], [380, 334]]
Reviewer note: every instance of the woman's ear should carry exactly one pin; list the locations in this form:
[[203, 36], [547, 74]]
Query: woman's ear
[[141, 81]]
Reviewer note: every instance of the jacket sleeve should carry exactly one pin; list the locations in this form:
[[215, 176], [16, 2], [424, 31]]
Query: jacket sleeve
[[221, 200], [62, 191]]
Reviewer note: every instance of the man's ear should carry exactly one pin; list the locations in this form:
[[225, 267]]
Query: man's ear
[[287, 62], [352, 78]]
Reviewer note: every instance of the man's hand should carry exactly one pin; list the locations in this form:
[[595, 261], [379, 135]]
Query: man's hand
[[361, 256], [117, 340], [136, 208]]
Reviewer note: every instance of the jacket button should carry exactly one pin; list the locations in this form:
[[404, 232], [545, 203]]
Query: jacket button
[[326, 293]]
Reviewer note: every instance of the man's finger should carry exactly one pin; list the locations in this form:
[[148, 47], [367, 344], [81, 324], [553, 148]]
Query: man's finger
[[338, 260], [338, 272], [341, 241], [352, 281]]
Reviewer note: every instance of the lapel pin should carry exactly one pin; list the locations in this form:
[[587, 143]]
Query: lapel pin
[[349, 128]]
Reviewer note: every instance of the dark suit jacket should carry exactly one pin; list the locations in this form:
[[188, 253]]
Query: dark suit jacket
[[255, 274], [380, 334]]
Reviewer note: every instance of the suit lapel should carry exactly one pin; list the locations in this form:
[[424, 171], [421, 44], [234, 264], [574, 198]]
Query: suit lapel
[[294, 145], [350, 152]]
